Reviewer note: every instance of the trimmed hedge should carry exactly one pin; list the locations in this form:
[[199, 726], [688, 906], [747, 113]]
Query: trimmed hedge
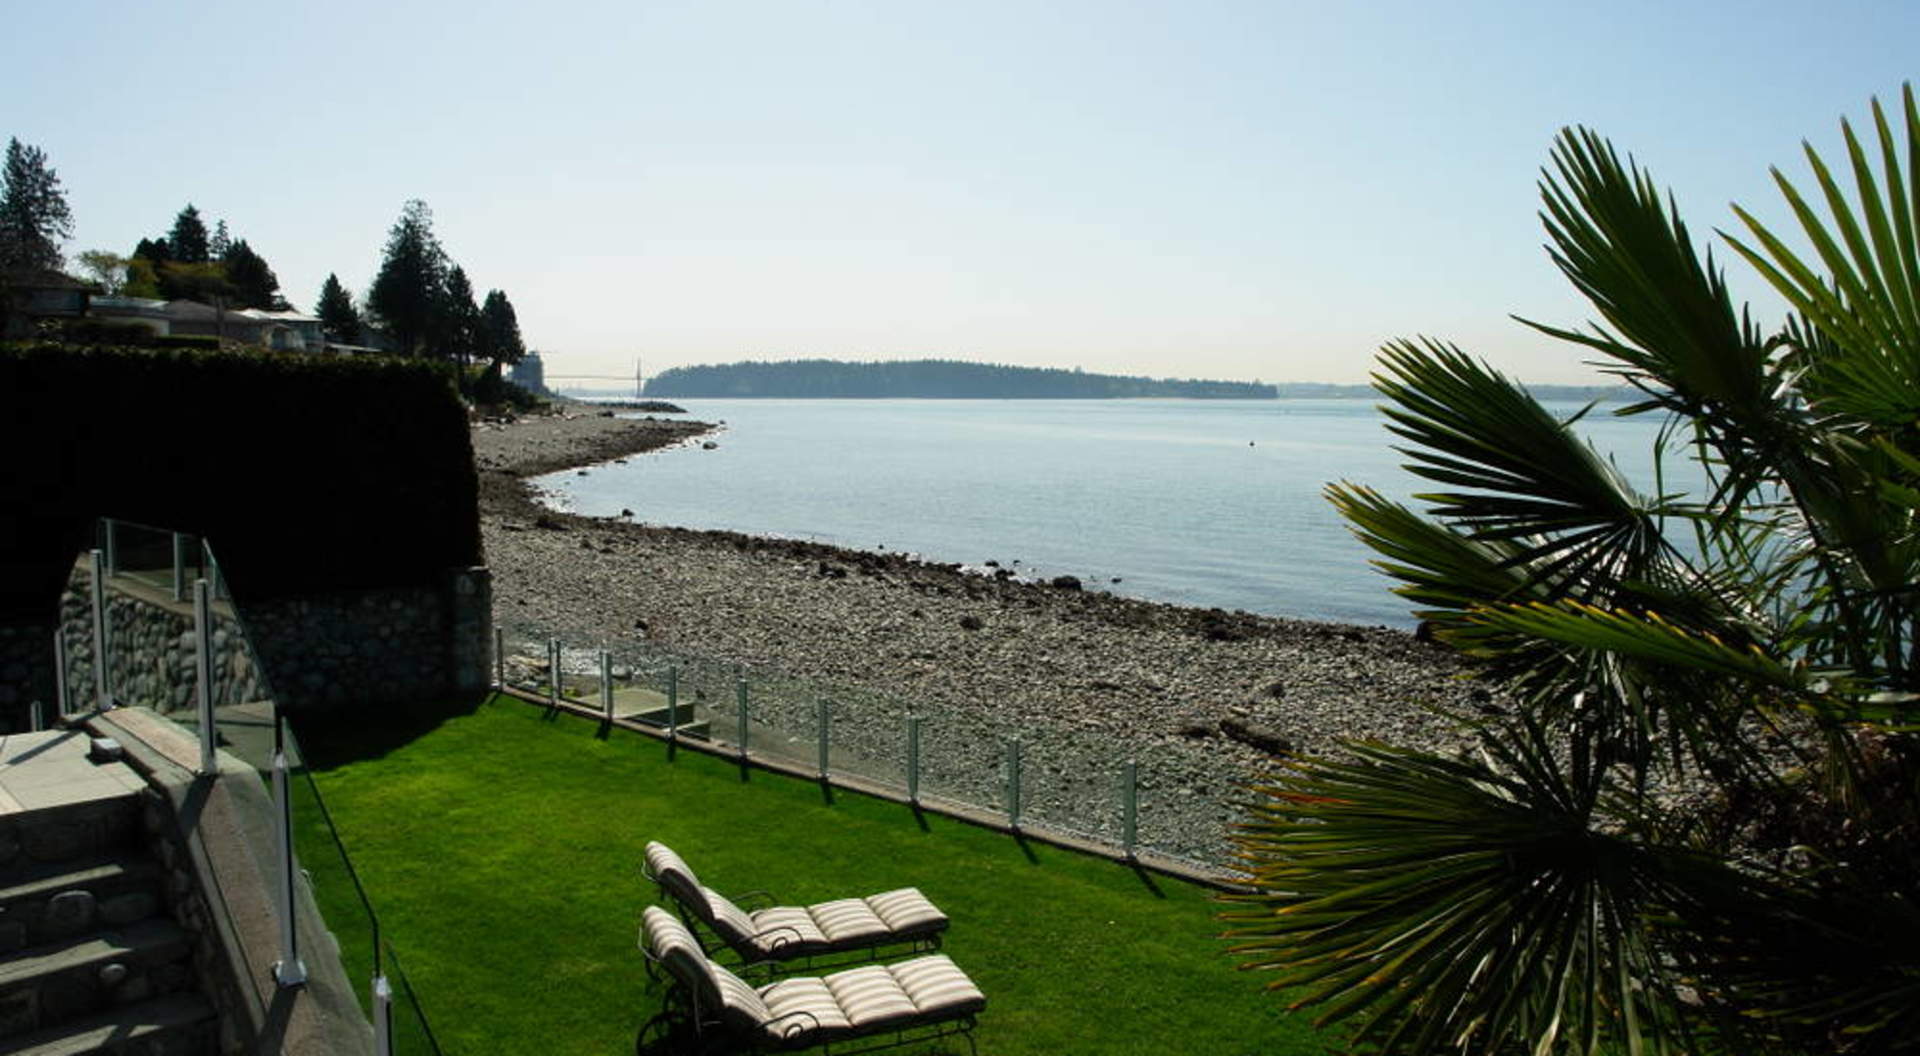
[[307, 474]]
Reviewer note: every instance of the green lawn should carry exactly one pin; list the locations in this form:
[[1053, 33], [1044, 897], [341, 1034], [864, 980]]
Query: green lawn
[[501, 848]]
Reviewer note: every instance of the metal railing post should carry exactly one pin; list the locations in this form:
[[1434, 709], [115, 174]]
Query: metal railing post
[[913, 759], [382, 1016], [740, 700], [60, 672], [213, 571], [1013, 783], [100, 697], [673, 703], [203, 672], [606, 684], [109, 539], [499, 658], [179, 567], [288, 971], [825, 722], [1129, 805], [553, 672]]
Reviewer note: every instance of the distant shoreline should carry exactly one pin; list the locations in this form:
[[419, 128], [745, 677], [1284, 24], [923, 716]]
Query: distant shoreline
[[1303, 391]]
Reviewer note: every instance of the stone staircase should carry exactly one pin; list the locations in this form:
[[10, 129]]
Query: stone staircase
[[90, 961]]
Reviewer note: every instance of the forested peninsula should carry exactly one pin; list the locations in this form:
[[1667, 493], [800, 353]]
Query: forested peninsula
[[929, 379]]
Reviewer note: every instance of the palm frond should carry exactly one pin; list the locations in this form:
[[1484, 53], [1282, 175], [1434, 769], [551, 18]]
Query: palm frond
[[1627, 250], [1457, 906], [1867, 301], [1568, 514]]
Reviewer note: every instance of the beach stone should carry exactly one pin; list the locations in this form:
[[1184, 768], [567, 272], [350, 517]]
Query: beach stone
[[127, 908], [1259, 738], [70, 913], [1065, 582], [971, 622]]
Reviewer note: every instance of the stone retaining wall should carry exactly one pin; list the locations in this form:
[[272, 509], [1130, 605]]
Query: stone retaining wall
[[358, 647], [151, 647]]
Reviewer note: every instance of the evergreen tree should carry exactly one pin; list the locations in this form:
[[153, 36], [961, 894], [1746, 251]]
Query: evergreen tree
[[460, 322], [409, 292], [153, 250], [337, 315], [221, 243], [187, 242], [500, 330], [254, 284], [33, 210]]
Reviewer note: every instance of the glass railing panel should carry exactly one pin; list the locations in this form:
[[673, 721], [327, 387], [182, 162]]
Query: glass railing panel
[[412, 1034], [1071, 782], [962, 756], [353, 933], [1072, 779]]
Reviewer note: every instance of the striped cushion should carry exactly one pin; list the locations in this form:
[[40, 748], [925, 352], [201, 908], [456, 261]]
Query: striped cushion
[[847, 921], [732, 922], [672, 945], [907, 911], [938, 987], [803, 1008], [869, 999], [670, 871], [786, 931], [740, 1005]]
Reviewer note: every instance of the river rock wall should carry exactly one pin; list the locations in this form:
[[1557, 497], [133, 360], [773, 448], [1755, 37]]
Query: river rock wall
[[328, 651]]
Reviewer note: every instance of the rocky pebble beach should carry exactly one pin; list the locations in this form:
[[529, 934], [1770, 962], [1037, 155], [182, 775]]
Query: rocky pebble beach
[[1202, 700]]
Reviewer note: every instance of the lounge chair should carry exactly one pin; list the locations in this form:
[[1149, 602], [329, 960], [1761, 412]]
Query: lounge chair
[[879, 1004], [779, 933]]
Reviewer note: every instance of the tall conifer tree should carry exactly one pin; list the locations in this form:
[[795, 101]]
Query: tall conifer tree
[[254, 283], [500, 330], [409, 292], [187, 242], [461, 322], [335, 309], [34, 216]]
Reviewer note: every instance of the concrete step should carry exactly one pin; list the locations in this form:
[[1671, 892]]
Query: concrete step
[[43, 986], [175, 1025], [658, 716], [67, 824], [48, 902]]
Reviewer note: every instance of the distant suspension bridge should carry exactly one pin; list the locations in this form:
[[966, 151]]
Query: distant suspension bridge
[[639, 378]]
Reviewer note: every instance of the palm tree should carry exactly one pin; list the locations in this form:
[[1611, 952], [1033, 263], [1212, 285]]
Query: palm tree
[[1699, 830]]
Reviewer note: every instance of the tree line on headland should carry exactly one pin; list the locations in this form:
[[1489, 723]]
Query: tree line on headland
[[957, 380], [929, 379]]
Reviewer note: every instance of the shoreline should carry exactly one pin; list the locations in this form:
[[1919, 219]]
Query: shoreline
[[1214, 697]]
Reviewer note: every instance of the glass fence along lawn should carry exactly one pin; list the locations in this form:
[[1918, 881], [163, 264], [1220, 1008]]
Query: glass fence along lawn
[[502, 847]]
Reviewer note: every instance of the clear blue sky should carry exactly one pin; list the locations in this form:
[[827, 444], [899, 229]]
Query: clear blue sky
[[1232, 190]]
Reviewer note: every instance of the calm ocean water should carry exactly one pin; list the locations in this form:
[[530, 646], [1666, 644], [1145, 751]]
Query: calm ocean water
[[1197, 502]]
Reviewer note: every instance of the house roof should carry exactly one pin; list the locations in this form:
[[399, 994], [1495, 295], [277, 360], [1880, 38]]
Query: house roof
[[41, 278], [113, 304], [288, 316]]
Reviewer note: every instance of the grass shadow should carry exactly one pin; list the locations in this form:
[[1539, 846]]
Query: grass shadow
[[1146, 878], [334, 738]]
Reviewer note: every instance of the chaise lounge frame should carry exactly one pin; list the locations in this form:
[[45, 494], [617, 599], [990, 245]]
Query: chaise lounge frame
[[781, 942], [693, 999]]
